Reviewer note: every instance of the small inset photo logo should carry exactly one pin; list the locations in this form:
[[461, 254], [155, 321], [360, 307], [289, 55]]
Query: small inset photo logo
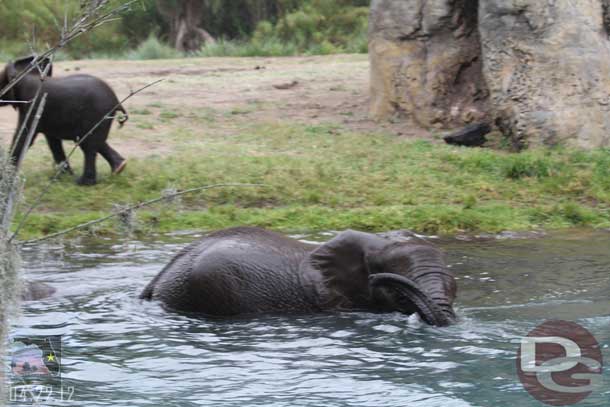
[[36, 357], [560, 363]]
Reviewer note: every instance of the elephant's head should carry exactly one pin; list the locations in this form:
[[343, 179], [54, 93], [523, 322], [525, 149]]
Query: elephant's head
[[12, 69], [366, 270]]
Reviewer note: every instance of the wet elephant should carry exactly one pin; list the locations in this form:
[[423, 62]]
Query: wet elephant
[[251, 271], [36, 290]]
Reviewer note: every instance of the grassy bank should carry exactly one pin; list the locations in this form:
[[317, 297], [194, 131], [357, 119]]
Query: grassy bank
[[328, 177]]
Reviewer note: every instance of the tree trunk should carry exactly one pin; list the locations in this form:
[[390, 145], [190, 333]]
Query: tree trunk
[[538, 69], [184, 19]]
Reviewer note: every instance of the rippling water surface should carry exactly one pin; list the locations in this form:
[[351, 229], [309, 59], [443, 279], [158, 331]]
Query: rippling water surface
[[118, 351]]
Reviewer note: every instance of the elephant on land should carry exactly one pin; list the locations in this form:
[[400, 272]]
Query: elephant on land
[[75, 104], [251, 271]]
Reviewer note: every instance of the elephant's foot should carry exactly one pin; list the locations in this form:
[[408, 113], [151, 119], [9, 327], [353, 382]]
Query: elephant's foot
[[86, 181], [119, 168]]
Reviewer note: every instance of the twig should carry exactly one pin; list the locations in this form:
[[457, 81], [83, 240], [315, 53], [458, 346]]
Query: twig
[[17, 138], [135, 207], [7, 214], [15, 102], [33, 127], [62, 166], [9, 263], [10, 201]]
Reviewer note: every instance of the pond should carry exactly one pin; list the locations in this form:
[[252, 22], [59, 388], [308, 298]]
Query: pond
[[118, 351]]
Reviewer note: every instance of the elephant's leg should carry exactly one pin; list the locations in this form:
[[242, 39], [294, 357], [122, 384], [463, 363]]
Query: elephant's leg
[[116, 161], [59, 156], [92, 145], [89, 174]]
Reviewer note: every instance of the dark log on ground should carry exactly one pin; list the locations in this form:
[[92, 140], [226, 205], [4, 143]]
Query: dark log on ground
[[470, 136]]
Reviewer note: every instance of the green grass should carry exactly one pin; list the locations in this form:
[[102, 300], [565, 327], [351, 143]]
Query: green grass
[[324, 177], [274, 47], [268, 48]]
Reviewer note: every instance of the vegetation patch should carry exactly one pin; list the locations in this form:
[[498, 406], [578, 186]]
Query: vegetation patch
[[319, 177], [242, 28]]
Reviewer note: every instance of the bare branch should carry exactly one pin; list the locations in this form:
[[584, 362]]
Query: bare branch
[[7, 216], [141, 205], [18, 136], [11, 192], [9, 176]]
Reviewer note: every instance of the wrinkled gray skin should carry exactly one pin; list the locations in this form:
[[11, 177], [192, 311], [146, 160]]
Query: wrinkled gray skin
[[250, 271], [35, 290], [74, 105]]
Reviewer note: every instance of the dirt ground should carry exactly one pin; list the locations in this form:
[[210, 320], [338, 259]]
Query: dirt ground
[[230, 93]]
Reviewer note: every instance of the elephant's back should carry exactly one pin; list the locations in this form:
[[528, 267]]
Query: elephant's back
[[81, 87], [75, 104], [235, 271]]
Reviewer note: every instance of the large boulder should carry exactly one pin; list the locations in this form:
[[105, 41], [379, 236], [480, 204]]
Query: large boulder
[[426, 61], [539, 69], [547, 65]]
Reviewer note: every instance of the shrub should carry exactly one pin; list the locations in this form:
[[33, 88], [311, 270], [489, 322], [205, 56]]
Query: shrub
[[258, 28], [36, 21], [523, 165], [319, 27], [152, 48], [269, 48]]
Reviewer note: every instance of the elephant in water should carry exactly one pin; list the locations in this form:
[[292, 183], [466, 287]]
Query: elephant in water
[[35, 290], [244, 271]]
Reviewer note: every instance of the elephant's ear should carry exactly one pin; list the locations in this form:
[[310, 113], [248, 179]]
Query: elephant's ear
[[10, 72], [342, 262], [23, 63], [5, 79]]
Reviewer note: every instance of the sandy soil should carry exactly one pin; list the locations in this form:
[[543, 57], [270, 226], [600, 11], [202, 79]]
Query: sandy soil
[[233, 93]]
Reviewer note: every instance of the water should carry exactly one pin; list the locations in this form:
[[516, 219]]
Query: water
[[120, 352]]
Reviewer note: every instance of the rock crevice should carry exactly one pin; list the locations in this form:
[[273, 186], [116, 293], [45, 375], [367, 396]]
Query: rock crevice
[[539, 69], [426, 61]]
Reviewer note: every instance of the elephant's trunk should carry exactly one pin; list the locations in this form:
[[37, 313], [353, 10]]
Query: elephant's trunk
[[407, 297], [427, 286]]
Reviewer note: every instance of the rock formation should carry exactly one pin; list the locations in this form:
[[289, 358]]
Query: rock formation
[[547, 64], [426, 61], [539, 69]]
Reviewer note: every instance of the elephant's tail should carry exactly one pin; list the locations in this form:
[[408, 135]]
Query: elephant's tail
[[123, 119], [147, 293]]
